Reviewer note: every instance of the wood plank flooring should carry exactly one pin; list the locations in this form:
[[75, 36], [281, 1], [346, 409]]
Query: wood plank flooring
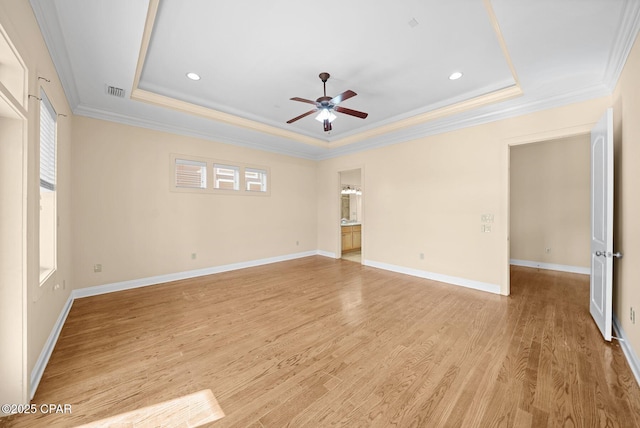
[[317, 342]]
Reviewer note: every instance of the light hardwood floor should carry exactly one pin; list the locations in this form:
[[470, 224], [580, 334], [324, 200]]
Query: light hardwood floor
[[352, 256], [318, 342]]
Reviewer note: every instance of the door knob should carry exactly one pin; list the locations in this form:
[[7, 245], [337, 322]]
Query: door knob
[[617, 255], [599, 253]]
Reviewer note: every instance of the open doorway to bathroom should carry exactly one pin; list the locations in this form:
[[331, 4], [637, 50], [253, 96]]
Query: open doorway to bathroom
[[351, 215]]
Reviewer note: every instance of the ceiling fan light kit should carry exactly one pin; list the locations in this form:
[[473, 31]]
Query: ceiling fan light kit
[[327, 106]]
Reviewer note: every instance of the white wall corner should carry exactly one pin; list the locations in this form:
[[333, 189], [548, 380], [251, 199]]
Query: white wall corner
[[326, 254], [452, 280], [551, 266], [629, 353]]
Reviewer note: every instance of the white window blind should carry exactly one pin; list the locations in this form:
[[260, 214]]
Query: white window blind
[[191, 174], [48, 118], [255, 180], [226, 177]]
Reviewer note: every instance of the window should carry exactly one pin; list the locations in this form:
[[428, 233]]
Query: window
[[255, 180], [48, 223], [226, 177], [191, 174], [194, 174]]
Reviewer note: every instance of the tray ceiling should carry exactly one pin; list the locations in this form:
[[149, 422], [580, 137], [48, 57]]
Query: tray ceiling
[[253, 56]]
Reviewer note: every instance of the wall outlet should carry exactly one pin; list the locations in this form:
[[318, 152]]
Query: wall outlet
[[194, 256], [486, 228], [421, 256], [486, 218], [97, 267], [297, 242]]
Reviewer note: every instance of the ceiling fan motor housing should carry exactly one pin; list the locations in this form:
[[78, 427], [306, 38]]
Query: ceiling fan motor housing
[[325, 102]]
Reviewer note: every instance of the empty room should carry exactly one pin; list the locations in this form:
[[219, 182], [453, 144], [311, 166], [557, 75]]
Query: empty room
[[268, 214]]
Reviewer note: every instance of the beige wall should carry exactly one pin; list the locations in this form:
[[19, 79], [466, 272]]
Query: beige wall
[[127, 218], [550, 194], [43, 303], [440, 187], [350, 177], [626, 113]]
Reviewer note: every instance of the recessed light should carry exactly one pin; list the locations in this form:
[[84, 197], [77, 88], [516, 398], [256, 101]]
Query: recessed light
[[193, 76], [455, 75]]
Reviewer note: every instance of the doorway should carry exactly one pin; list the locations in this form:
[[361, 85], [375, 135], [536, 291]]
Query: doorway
[[549, 225], [351, 215]]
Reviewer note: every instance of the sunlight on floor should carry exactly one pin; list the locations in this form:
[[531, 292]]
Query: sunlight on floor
[[191, 410]]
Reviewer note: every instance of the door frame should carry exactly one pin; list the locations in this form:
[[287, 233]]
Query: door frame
[[585, 129]]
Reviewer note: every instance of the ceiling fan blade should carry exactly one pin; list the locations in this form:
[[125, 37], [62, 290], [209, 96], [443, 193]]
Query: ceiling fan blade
[[303, 100], [356, 113], [343, 96], [302, 115]]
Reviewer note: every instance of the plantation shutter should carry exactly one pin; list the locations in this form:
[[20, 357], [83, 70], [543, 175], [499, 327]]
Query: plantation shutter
[[191, 174], [255, 179], [226, 177]]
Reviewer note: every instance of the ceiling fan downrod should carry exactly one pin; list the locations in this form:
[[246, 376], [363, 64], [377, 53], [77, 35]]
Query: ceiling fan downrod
[[324, 76]]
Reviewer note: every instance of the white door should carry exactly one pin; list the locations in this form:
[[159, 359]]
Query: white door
[[601, 289]]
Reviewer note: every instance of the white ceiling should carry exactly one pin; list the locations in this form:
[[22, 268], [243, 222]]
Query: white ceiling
[[517, 56]]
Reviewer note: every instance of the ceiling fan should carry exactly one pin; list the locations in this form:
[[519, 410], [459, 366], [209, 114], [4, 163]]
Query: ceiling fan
[[327, 105]]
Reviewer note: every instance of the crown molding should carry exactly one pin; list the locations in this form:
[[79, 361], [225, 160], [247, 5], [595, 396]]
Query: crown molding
[[47, 17], [299, 151], [625, 38], [501, 95], [138, 94], [464, 119], [471, 118]]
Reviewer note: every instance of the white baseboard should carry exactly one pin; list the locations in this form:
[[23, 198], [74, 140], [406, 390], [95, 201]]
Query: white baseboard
[[47, 350], [551, 266], [159, 279], [326, 254], [628, 351], [463, 282]]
